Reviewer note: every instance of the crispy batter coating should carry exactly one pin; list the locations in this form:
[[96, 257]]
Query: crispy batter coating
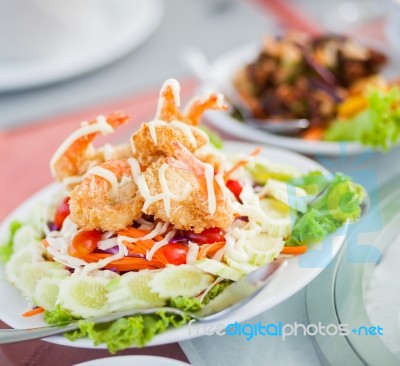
[[192, 212], [93, 204], [147, 150]]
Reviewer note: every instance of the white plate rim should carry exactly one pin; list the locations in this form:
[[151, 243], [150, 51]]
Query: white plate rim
[[133, 360], [55, 70], [223, 68], [268, 298]]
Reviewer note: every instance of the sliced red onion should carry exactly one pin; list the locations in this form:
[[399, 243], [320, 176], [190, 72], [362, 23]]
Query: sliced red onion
[[113, 250], [178, 239]]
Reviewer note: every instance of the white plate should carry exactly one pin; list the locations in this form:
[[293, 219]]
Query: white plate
[[290, 280], [224, 68], [133, 360], [129, 23]]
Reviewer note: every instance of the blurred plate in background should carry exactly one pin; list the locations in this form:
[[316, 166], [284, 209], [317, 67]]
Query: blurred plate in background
[[125, 25]]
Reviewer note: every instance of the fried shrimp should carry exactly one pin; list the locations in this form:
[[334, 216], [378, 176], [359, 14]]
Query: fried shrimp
[[74, 157], [106, 199], [153, 139], [184, 191], [197, 106]]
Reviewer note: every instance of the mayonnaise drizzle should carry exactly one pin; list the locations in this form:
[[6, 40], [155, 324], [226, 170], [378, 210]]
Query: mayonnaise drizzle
[[107, 175], [166, 196], [212, 201], [108, 152], [187, 130], [101, 125]]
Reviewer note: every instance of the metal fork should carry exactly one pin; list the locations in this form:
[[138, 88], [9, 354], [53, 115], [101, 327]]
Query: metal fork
[[234, 296]]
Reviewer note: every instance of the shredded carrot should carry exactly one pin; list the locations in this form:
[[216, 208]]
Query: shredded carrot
[[294, 250], [241, 163], [133, 232], [210, 249], [45, 243], [33, 312], [125, 263]]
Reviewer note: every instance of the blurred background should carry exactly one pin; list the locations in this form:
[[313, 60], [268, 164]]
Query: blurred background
[[56, 57]]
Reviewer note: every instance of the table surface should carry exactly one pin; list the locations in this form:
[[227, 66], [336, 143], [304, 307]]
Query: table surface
[[215, 28]]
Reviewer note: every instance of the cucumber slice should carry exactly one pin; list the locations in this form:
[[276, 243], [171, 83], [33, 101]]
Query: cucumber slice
[[31, 254], [25, 236], [264, 169], [84, 296], [132, 290], [240, 266], [278, 221], [31, 273], [290, 195], [183, 280], [218, 269], [46, 292], [263, 249]]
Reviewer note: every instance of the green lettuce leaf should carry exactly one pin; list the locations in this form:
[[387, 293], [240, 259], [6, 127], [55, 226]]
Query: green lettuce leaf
[[6, 249], [126, 332], [58, 316], [378, 126], [215, 140], [339, 203], [313, 183], [261, 172]]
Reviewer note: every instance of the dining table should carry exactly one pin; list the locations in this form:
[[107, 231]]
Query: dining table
[[34, 121]]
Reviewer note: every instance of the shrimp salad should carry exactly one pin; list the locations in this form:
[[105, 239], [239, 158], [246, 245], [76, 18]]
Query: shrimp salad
[[164, 219]]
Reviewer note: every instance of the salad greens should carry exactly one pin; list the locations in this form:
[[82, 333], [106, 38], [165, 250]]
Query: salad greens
[[6, 249], [122, 333], [338, 204], [215, 139], [261, 172], [378, 126]]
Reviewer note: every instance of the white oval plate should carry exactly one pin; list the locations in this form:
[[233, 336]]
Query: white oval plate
[[290, 280], [129, 24], [133, 360], [224, 68]]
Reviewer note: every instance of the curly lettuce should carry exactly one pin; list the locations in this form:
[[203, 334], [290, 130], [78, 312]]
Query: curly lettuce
[[338, 204], [378, 126], [6, 249]]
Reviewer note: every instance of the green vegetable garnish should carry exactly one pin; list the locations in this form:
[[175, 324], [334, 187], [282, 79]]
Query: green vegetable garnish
[[313, 183], [338, 204], [261, 172], [215, 140], [378, 126], [6, 249]]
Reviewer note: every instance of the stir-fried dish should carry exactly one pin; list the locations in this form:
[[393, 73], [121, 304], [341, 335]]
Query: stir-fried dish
[[165, 218], [329, 80]]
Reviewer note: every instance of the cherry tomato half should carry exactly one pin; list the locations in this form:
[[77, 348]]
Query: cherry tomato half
[[175, 253], [61, 213], [84, 243], [208, 236], [235, 187]]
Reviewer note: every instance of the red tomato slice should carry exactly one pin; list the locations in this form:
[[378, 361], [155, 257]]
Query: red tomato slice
[[208, 236], [175, 253], [235, 187], [84, 242], [61, 213]]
